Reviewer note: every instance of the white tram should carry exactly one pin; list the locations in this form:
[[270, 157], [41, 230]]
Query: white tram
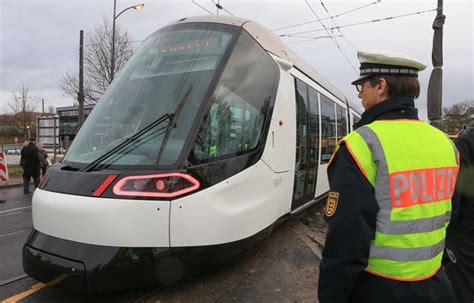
[[212, 133]]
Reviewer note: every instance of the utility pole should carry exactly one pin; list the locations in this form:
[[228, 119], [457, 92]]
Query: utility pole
[[112, 55], [54, 140], [435, 86], [80, 95], [42, 107]]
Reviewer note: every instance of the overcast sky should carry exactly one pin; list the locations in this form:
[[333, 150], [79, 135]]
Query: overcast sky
[[39, 38]]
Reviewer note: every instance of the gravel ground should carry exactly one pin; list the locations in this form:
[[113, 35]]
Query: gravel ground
[[314, 217]]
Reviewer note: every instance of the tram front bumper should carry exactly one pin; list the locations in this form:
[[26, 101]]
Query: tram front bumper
[[87, 268]]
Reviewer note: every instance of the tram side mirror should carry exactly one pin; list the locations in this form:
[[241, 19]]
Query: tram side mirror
[[284, 64]]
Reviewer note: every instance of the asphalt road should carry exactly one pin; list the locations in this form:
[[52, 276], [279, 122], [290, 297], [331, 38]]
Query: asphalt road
[[15, 225], [282, 268]]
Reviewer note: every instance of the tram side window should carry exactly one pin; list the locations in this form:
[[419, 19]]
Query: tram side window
[[243, 96], [341, 122], [313, 140], [302, 133], [328, 129]]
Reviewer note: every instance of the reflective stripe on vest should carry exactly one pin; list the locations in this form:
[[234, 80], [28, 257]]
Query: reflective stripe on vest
[[413, 188]]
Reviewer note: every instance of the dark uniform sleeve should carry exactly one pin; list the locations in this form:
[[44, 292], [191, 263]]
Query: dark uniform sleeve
[[351, 228], [463, 198]]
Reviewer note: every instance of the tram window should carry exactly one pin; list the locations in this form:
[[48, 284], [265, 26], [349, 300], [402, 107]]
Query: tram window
[[328, 129], [302, 122], [302, 133], [235, 121], [173, 66], [314, 114], [313, 140], [341, 122]]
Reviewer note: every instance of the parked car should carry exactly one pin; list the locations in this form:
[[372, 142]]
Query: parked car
[[13, 152]]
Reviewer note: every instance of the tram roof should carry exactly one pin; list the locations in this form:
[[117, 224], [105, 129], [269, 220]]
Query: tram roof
[[271, 43]]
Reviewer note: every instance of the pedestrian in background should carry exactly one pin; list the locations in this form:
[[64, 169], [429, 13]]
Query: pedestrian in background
[[391, 182], [43, 155], [30, 163], [460, 237]]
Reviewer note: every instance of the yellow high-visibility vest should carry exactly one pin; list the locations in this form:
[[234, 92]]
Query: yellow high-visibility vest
[[413, 168]]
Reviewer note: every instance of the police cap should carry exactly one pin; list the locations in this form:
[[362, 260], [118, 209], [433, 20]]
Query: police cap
[[387, 63]]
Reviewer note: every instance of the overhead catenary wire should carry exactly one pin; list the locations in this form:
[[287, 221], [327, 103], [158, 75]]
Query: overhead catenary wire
[[360, 23], [219, 6], [339, 30], [308, 39], [329, 14], [322, 19], [332, 38], [208, 11], [349, 42]]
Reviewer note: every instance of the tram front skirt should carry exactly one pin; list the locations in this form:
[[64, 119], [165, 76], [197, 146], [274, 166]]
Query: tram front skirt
[[96, 269]]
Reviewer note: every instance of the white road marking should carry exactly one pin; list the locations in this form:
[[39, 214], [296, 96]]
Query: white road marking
[[14, 210]]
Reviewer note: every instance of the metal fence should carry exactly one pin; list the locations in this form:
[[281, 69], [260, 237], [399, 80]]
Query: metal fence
[[12, 159], [15, 159]]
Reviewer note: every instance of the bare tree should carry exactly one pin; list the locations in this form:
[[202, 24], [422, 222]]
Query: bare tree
[[22, 107], [51, 109], [456, 116], [97, 62]]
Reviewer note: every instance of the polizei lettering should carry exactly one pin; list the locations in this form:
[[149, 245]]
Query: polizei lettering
[[413, 187]]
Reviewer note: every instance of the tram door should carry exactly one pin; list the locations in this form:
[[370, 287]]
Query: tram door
[[307, 144]]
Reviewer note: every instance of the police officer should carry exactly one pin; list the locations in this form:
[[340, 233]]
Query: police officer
[[391, 183], [460, 236]]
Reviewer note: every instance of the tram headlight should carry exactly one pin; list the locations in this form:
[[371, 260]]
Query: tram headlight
[[160, 185], [140, 185], [167, 185]]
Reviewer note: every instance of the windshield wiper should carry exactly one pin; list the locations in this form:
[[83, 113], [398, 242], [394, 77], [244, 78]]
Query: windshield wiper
[[127, 142], [171, 117], [172, 123]]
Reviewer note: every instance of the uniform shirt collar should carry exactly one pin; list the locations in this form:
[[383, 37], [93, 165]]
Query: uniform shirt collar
[[396, 107]]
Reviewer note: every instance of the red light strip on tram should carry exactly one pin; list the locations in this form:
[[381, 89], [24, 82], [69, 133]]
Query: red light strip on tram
[[100, 190], [118, 187]]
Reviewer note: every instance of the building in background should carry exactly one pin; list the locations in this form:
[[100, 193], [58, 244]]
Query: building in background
[[69, 122], [16, 128], [47, 133]]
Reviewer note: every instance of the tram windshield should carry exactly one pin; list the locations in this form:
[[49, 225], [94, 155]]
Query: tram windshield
[[171, 72]]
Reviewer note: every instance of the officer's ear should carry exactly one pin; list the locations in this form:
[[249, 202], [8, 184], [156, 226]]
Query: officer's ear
[[382, 87]]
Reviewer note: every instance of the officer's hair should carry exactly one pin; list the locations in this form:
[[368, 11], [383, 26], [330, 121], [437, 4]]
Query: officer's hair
[[399, 85]]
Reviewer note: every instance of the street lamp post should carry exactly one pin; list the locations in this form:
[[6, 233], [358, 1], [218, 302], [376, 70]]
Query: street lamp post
[[112, 62]]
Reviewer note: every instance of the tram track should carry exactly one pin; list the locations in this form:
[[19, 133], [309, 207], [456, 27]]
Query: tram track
[[13, 279], [13, 221], [15, 210], [17, 231]]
